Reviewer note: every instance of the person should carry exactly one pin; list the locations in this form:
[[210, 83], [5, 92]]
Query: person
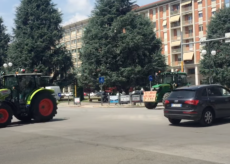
[[26, 85]]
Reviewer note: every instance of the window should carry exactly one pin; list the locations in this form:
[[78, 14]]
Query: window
[[191, 71], [200, 28], [204, 93], [213, 11], [213, 0], [199, 2], [200, 14], [166, 48], [187, 94], [218, 91], [165, 35], [154, 25]]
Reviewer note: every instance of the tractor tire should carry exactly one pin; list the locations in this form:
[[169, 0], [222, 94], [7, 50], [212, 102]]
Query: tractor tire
[[150, 105], [23, 118], [6, 115], [44, 107], [166, 95]]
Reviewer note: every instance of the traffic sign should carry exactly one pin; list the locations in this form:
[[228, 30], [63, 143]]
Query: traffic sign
[[101, 80], [150, 78]]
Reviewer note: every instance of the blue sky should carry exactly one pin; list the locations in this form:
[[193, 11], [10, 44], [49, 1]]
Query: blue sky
[[72, 10]]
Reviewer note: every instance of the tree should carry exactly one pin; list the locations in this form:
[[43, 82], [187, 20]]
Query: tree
[[218, 66], [120, 46], [4, 41], [36, 39]]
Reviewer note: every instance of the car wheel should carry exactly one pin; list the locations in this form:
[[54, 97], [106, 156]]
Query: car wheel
[[174, 121], [207, 118]]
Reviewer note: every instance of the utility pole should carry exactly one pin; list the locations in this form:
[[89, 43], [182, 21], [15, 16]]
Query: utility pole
[[182, 52]]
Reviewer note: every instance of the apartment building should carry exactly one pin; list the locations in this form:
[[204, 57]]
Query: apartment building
[[72, 39], [182, 21]]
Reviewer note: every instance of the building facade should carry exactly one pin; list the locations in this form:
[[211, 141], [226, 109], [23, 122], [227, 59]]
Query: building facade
[[175, 22], [72, 39], [182, 21]]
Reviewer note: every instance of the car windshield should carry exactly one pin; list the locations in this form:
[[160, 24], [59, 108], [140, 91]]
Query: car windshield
[[185, 94]]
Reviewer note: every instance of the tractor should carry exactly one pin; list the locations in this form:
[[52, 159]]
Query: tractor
[[166, 82], [24, 96]]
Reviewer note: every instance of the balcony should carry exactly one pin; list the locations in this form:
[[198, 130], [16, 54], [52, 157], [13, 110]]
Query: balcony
[[174, 12], [175, 25], [187, 22], [175, 38], [186, 9], [176, 63], [176, 50], [187, 35], [188, 49]]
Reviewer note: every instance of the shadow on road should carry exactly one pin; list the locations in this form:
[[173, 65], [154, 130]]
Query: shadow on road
[[21, 123], [193, 124]]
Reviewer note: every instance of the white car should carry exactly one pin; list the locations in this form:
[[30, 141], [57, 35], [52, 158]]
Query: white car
[[57, 91]]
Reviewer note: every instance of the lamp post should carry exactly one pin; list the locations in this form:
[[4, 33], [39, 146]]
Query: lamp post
[[6, 66], [213, 53]]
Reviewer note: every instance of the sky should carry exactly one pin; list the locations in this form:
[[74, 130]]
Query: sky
[[72, 10]]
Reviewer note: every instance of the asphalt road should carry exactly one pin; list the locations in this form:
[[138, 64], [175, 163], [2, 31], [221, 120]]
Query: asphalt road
[[114, 136]]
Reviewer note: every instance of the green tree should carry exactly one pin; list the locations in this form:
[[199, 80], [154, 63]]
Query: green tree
[[217, 67], [120, 46], [36, 39], [4, 41]]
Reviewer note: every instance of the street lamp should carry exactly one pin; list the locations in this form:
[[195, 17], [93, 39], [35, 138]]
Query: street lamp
[[5, 65], [213, 53]]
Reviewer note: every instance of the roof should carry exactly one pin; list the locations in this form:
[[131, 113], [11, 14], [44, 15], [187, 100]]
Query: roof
[[24, 74], [195, 87], [153, 4]]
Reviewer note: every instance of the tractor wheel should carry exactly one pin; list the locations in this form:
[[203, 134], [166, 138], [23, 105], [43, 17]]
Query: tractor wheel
[[23, 118], [150, 105], [166, 95], [44, 107], [6, 115]]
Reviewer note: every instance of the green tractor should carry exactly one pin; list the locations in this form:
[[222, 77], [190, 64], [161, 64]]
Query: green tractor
[[166, 83], [25, 97]]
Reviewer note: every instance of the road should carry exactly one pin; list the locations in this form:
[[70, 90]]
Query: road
[[114, 136]]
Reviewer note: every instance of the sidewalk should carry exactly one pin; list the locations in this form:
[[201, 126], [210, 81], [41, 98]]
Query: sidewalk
[[105, 105]]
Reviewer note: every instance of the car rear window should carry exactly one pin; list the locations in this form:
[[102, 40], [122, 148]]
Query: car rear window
[[185, 94]]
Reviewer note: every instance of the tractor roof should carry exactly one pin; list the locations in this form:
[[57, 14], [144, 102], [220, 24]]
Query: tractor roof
[[24, 74]]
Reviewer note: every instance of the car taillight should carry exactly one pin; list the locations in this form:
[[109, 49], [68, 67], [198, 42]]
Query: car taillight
[[192, 102], [166, 101]]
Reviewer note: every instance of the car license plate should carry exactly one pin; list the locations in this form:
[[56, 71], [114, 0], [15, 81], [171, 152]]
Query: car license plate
[[176, 105]]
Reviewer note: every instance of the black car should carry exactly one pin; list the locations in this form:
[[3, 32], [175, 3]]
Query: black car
[[203, 103]]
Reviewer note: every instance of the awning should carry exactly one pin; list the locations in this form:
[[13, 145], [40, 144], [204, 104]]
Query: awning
[[175, 18], [177, 43], [213, 9], [188, 56], [199, 0], [186, 3], [164, 23]]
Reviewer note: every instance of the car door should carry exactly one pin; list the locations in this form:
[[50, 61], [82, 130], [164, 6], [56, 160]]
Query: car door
[[226, 96], [217, 100]]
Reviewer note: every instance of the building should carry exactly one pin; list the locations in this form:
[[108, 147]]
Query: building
[[72, 39], [177, 21]]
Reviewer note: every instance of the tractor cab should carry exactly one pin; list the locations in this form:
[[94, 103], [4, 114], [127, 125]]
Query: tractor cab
[[177, 79]]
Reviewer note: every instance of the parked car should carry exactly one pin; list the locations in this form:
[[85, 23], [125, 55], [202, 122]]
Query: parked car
[[203, 103], [137, 92]]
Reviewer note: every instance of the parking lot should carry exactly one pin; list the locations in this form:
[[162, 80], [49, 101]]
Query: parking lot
[[93, 135]]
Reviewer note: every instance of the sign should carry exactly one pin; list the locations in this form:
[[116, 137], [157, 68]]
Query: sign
[[136, 98], [150, 78], [77, 100], [124, 98], [150, 96], [227, 35], [114, 99], [101, 80], [59, 94]]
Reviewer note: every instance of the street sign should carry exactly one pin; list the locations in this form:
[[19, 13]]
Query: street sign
[[101, 80], [136, 98], [150, 78], [124, 99]]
